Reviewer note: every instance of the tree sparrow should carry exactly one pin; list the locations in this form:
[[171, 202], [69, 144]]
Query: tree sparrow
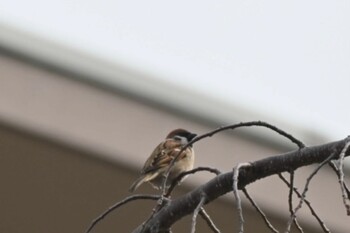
[[157, 164]]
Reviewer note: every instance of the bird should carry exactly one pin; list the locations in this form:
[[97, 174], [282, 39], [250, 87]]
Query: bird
[[157, 164]]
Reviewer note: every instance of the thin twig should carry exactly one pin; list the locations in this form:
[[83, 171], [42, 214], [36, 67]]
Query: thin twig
[[290, 202], [238, 199], [257, 208], [183, 174], [306, 187], [297, 225], [290, 196], [313, 212], [231, 127], [345, 196], [195, 213], [235, 192], [118, 204], [208, 220], [336, 170]]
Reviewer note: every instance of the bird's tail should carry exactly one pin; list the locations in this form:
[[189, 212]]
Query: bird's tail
[[137, 183], [141, 180]]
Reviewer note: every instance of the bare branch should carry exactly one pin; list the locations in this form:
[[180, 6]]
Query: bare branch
[[290, 195], [193, 171], [313, 212], [257, 208], [195, 213], [223, 183], [235, 192], [345, 195], [290, 202], [306, 187], [210, 222], [119, 204], [159, 205], [175, 182], [336, 170]]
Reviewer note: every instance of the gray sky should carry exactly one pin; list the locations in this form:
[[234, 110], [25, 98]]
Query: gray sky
[[286, 60]]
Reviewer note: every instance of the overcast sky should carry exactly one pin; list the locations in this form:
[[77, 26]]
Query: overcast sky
[[287, 60]]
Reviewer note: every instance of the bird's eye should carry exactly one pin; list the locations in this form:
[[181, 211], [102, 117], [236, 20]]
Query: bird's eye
[[180, 139]]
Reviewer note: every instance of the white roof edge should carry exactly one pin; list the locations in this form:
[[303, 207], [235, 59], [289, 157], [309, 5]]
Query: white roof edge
[[122, 76]]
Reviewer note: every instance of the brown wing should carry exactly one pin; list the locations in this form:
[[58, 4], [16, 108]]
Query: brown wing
[[162, 155]]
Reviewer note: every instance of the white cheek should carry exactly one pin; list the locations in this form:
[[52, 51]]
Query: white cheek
[[184, 141]]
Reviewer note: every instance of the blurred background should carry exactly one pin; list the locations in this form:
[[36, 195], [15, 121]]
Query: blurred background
[[89, 88]]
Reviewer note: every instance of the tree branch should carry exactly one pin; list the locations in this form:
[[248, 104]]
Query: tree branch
[[222, 184]]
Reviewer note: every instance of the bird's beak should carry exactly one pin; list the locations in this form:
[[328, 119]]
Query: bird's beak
[[191, 136]]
